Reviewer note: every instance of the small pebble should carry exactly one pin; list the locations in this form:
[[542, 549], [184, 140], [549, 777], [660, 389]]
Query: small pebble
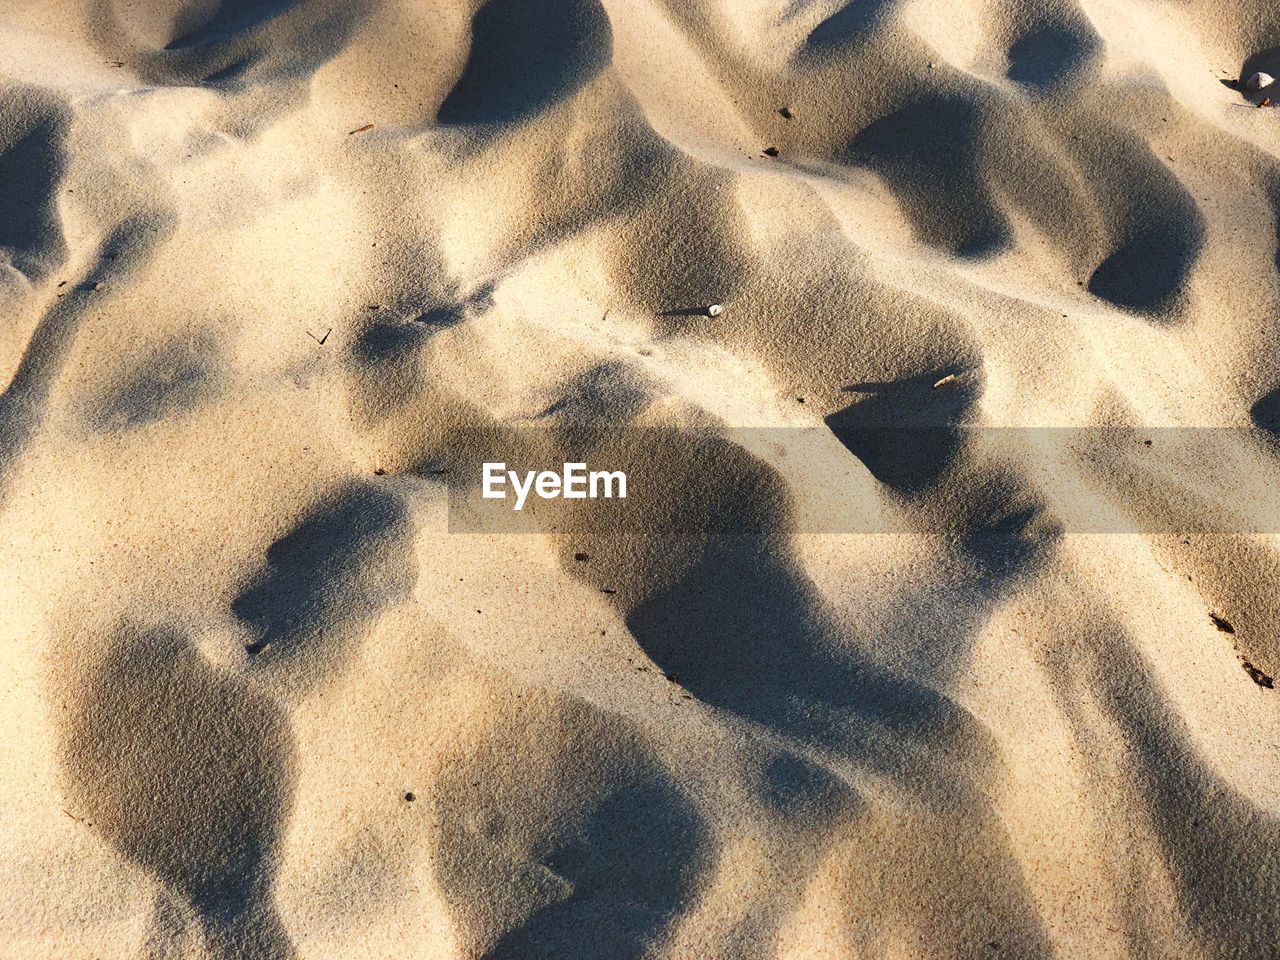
[[1259, 81], [715, 309], [785, 113], [770, 151]]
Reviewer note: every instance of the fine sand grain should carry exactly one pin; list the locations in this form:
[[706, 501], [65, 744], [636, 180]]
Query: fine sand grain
[[881, 664]]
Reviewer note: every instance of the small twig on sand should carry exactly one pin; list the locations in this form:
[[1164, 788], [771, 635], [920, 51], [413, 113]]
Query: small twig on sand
[[365, 129], [320, 340]]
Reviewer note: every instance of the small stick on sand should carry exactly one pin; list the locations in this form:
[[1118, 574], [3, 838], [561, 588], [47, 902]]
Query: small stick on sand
[[946, 381], [365, 129]]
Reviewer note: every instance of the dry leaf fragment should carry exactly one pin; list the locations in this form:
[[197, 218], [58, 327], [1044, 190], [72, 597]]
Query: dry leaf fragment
[[1259, 677]]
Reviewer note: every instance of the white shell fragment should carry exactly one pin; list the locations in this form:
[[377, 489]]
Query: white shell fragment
[[1259, 81], [946, 381], [715, 310]]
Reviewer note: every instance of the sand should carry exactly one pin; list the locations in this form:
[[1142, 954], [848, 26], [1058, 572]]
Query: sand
[[871, 663]]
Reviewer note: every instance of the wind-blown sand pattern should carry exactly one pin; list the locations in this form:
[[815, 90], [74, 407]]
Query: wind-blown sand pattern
[[264, 262]]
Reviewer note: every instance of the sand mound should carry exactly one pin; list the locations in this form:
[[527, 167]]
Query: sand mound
[[936, 623]]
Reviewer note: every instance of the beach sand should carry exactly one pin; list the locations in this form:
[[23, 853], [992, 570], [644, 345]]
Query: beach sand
[[870, 668]]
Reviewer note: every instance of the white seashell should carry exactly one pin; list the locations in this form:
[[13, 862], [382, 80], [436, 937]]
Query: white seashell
[[946, 381], [1259, 81], [715, 310]]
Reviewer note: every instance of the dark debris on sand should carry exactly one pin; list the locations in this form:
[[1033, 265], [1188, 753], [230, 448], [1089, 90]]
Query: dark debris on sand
[[1264, 680]]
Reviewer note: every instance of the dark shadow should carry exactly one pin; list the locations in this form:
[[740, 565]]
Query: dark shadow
[[1003, 532], [1265, 61], [441, 318], [930, 152], [384, 341], [385, 365], [797, 788], [560, 834], [747, 635], [686, 312], [742, 630], [1273, 191], [1005, 545], [1148, 272], [630, 865], [1266, 413], [1050, 56], [247, 42], [609, 393], [1218, 844], [174, 379], [525, 56], [231, 19], [738, 625], [235, 74], [1159, 234], [389, 342], [385, 369], [24, 404], [851, 24], [189, 774], [906, 432], [348, 560], [31, 170]]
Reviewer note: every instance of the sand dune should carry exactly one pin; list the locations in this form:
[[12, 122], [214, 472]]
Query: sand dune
[[874, 660]]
